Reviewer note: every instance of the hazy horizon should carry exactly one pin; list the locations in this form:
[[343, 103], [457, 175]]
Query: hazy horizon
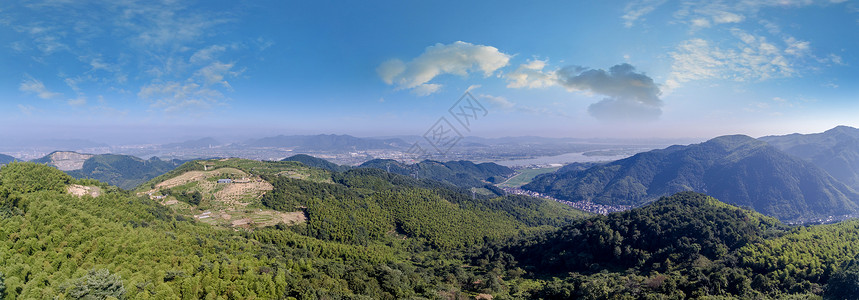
[[160, 72]]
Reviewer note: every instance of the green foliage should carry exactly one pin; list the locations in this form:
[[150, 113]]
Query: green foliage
[[2, 285], [376, 235], [314, 162], [190, 197], [366, 204], [289, 193], [844, 284], [25, 177], [679, 228], [96, 285], [124, 171], [463, 174]]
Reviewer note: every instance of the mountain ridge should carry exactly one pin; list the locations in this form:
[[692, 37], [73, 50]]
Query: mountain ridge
[[738, 169]]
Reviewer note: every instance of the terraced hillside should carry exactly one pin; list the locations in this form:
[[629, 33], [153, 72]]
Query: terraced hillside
[[227, 192]]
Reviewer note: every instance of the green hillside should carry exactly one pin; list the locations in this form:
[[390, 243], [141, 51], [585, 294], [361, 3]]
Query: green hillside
[[315, 162], [371, 234], [131, 247], [686, 246], [737, 169], [124, 171], [644, 238], [457, 173]]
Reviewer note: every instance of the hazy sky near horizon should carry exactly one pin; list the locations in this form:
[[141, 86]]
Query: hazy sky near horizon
[[651, 68]]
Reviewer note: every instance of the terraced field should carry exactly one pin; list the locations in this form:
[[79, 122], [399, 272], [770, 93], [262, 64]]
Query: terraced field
[[235, 204]]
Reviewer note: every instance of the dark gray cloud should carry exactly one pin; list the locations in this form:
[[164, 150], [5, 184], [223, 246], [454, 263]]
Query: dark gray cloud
[[629, 95]]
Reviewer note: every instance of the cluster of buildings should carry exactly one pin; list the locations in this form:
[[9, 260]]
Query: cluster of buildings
[[580, 205]]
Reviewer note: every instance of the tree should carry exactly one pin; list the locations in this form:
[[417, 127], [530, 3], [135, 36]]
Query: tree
[[844, 284], [2, 286], [97, 285]]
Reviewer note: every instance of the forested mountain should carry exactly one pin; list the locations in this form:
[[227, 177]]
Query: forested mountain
[[5, 159], [459, 173], [682, 224], [737, 169], [690, 245], [326, 142], [124, 171], [316, 162], [127, 247], [377, 235], [835, 150]]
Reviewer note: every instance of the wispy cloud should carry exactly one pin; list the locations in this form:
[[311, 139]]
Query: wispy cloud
[[636, 10], [35, 86], [153, 44], [175, 97], [459, 58], [497, 101], [753, 59], [80, 101], [716, 12], [26, 109]]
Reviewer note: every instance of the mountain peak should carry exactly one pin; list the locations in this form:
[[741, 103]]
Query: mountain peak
[[732, 142], [842, 129]]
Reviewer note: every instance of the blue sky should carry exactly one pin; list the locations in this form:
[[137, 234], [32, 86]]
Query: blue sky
[[175, 69]]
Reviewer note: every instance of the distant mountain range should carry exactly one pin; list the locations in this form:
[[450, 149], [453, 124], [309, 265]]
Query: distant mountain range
[[737, 169], [835, 150], [326, 142], [124, 171]]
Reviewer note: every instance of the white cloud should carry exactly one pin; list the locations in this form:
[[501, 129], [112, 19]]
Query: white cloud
[[637, 9], [32, 85], [796, 47], [26, 109], [459, 58], [835, 59], [206, 54], [701, 23], [531, 75], [753, 59], [79, 101], [154, 43], [723, 17], [497, 101], [389, 69], [630, 96], [426, 89], [179, 97], [215, 73]]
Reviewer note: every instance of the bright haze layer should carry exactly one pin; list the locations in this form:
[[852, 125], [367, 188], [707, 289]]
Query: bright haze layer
[[120, 71]]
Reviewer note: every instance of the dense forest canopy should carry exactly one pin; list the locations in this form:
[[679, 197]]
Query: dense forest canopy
[[375, 235]]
